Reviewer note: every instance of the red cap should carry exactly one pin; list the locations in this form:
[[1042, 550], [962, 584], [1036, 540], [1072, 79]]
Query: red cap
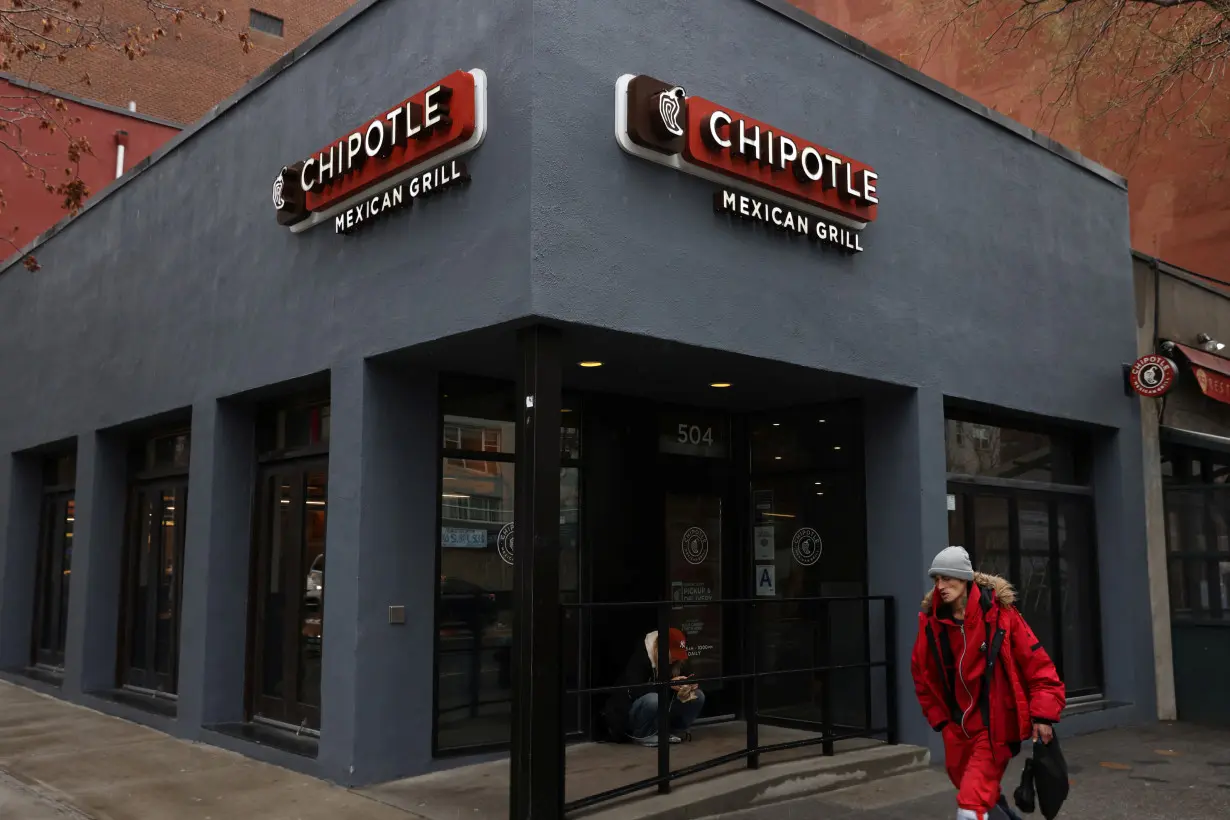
[[679, 646]]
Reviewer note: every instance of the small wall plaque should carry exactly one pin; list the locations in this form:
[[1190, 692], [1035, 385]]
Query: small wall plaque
[[397, 614]]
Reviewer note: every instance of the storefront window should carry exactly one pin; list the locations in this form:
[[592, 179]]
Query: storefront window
[[55, 561], [990, 451], [474, 615], [806, 480], [1037, 536], [1197, 503], [153, 562]]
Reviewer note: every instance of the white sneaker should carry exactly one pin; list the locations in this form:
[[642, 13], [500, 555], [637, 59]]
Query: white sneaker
[[651, 742]]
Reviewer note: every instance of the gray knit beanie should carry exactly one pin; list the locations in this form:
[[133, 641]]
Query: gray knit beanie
[[953, 562]]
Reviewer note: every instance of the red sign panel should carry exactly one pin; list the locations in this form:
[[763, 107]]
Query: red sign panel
[[1213, 385], [439, 117], [1152, 375], [735, 145]]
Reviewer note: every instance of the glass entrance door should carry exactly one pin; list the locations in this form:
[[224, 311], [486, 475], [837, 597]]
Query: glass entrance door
[[153, 585], [55, 564], [289, 611], [694, 546]]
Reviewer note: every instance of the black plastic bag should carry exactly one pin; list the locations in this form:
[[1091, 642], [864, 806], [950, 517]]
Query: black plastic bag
[[1050, 775]]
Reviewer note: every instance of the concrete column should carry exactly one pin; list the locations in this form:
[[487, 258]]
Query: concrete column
[[217, 551], [906, 525], [1146, 277], [20, 502], [384, 463], [1123, 569], [98, 561]]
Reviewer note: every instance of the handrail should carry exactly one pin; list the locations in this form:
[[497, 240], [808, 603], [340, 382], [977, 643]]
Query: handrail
[[750, 679]]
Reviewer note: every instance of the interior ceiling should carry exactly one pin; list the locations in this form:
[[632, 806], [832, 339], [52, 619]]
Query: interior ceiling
[[655, 369]]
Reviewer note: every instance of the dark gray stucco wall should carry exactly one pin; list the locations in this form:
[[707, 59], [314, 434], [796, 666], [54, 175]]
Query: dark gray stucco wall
[[181, 286], [178, 291], [995, 271]]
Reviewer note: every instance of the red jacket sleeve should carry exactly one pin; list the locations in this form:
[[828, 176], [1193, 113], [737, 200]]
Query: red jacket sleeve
[[1038, 674], [922, 668]]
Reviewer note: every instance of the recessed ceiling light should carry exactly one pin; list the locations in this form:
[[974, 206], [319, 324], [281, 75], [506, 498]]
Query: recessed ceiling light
[[817, 483], [820, 493], [776, 424], [820, 420], [590, 364], [566, 410], [777, 458], [838, 447], [720, 384]]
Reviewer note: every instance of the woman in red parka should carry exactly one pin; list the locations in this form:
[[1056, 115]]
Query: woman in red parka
[[982, 678]]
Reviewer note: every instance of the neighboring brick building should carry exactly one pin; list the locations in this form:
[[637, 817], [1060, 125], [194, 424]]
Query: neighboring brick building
[[30, 209], [1179, 214], [176, 83], [180, 80]]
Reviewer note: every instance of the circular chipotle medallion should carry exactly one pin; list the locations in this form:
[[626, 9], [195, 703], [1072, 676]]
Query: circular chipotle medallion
[[695, 545], [504, 543], [1153, 375], [806, 546]]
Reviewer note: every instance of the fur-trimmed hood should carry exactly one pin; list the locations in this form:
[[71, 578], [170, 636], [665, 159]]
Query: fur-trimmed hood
[[1005, 593]]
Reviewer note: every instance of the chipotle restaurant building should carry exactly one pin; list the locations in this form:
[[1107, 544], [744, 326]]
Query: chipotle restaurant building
[[513, 302]]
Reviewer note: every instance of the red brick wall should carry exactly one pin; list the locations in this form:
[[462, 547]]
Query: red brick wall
[[1180, 210], [30, 210], [181, 80]]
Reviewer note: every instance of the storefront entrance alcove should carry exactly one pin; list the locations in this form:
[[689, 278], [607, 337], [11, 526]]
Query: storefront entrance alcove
[[730, 487]]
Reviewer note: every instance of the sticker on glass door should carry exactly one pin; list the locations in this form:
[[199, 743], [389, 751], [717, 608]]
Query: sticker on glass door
[[695, 545], [766, 581], [806, 546]]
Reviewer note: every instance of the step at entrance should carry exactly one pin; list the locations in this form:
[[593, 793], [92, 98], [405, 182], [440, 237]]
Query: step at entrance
[[740, 789], [480, 791]]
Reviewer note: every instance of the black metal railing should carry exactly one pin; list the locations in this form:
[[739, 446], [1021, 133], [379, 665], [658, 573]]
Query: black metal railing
[[750, 611]]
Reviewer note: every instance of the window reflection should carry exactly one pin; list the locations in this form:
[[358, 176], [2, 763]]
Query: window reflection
[[976, 449], [477, 554], [312, 602], [1197, 505], [806, 473]]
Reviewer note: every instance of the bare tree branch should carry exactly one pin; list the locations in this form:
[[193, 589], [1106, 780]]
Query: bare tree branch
[[35, 33], [1124, 71]]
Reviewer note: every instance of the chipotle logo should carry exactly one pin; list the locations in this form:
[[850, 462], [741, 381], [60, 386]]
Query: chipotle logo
[[659, 121], [404, 144]]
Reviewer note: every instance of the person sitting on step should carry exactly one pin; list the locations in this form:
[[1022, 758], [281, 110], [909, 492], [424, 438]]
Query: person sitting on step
[[632, 714]]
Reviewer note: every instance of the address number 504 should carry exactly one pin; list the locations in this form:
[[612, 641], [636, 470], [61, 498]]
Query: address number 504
[[692, 434]]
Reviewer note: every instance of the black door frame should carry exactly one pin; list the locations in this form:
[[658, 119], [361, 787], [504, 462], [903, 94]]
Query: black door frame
[[52, 589], [1052, 495], [149, 679], [286, 710]]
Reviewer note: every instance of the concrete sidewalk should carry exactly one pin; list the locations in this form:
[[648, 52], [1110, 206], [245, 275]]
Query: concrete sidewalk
[[1156, 772], [59, 761]]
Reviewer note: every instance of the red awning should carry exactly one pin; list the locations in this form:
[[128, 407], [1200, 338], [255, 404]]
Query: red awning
[[1212, 372]]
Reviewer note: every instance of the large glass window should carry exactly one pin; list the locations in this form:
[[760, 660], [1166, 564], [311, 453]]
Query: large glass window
[[291, 524], [1197, 503], [153, 566], [1021, 503], [974, 448], [55, 561], [474, 617], [806, 479]]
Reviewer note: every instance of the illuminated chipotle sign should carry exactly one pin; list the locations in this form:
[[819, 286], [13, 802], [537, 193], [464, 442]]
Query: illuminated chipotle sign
[[660, 122], [410, 140]]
